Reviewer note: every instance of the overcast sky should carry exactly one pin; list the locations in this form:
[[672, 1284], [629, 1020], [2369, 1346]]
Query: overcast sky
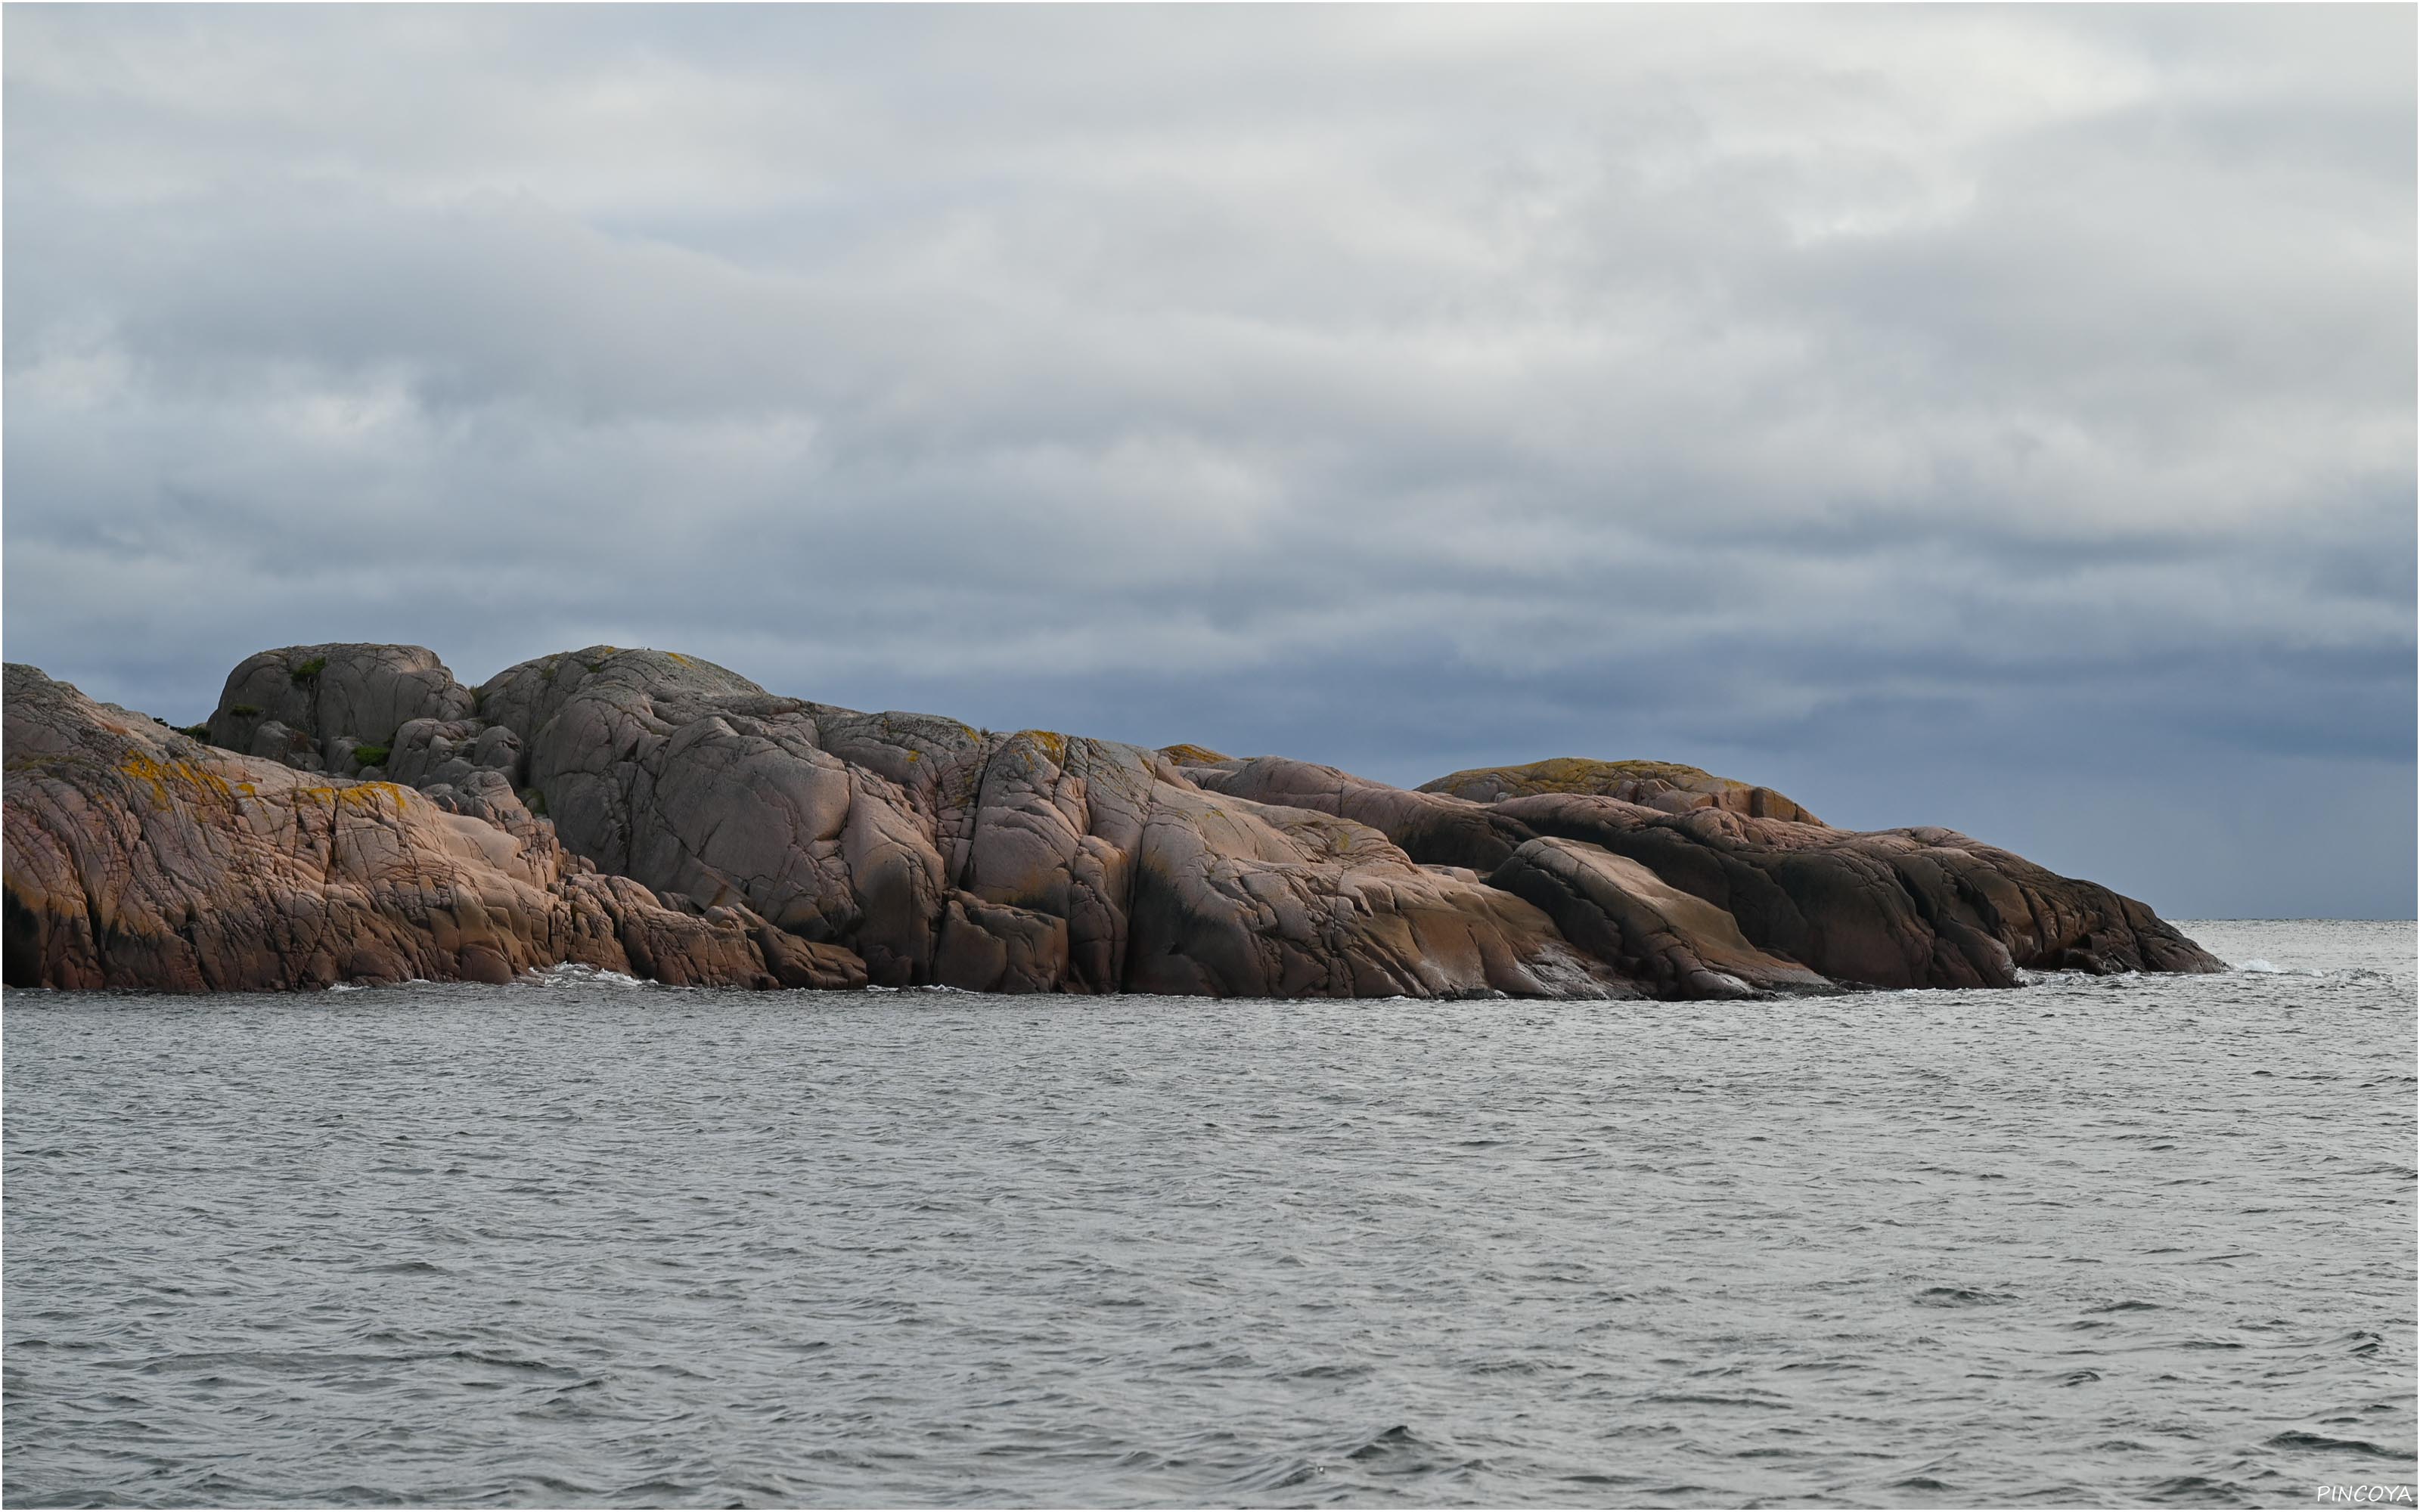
[[2002, 419]]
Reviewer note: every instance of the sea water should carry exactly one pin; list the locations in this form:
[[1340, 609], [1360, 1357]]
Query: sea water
[[582, 1241]]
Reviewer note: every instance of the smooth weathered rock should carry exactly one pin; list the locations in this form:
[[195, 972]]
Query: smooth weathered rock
[[692, 779], [1665, 785], [138, 856], [648, 812], [315, 695], [1233, 898], [1890, 908], [275, 741], [427, 750], [1434, 830], [1026, 862], [1628, 918]]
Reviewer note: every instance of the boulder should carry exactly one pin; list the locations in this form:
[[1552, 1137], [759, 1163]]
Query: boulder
[[311, 695], [427, 752]]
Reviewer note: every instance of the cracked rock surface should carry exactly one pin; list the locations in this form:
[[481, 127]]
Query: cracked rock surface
[[139, 856], [358, 814]]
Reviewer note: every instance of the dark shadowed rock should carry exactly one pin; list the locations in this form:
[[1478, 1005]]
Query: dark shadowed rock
[[1627, 916], [427, 752], [275, 741], [1892, 908], [1432, 828], [1665, 785]]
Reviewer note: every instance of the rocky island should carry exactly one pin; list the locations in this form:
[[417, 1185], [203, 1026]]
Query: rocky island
[[353, 813]]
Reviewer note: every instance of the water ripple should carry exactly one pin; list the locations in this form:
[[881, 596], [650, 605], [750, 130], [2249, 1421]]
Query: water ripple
[[586, 1240]]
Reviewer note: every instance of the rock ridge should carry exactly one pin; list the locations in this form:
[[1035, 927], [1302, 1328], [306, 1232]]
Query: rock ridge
[[353, 812]]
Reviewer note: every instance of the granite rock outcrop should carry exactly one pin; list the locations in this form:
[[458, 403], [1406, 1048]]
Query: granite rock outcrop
[[356, 813], [140, 856], [1665, 785]]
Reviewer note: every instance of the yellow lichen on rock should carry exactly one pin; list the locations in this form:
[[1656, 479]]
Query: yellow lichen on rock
[[161, 775], [366, 796]]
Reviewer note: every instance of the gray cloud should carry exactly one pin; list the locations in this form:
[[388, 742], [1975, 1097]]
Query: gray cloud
[[2011, 411]]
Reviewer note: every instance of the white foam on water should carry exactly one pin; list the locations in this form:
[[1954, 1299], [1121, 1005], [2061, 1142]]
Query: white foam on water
[[572, 974]]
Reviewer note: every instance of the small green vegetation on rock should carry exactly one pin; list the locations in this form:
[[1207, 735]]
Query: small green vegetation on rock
[[371, 755], [243, 711], [304, 671], [533, 800], [199, 732]]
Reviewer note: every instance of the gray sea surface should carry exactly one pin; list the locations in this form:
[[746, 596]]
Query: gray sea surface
[[576, 1240]]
